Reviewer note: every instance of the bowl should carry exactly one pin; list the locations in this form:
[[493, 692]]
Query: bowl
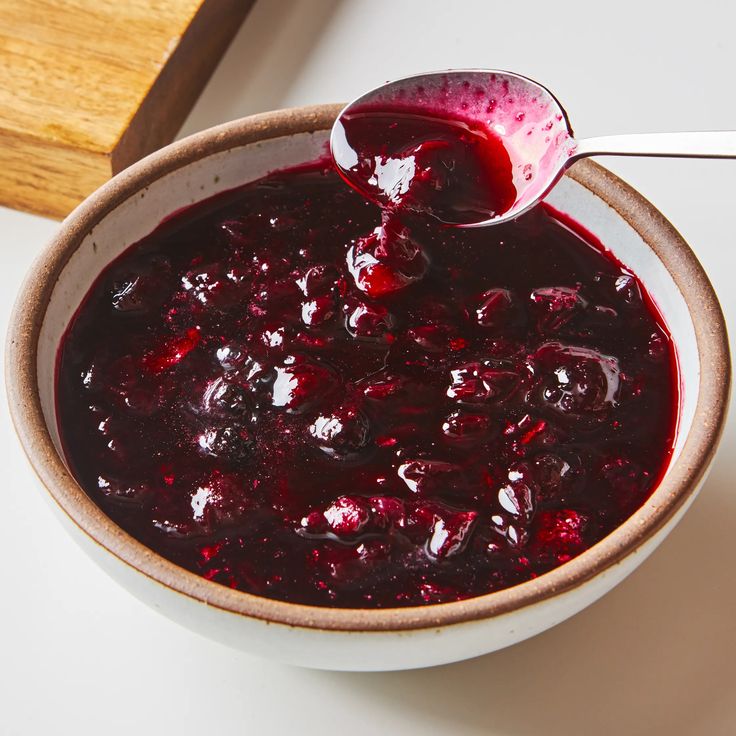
[[134, 202]]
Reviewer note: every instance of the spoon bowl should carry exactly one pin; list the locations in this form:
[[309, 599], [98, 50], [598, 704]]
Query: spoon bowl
[[526, 117]]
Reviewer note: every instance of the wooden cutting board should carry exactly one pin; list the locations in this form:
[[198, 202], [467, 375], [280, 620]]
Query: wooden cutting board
[[90, 86]]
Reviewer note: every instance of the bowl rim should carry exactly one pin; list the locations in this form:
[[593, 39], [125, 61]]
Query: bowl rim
[[672, 493]]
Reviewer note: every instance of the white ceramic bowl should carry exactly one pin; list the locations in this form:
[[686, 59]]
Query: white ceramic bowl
[[134, 202]]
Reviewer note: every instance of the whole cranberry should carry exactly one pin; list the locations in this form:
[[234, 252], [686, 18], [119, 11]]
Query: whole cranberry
[[465, 425], [318, 311], [448, 529], [300, 384], [232, 356], [226, 398], [518, 495], [531, 432], [173, 519], [386, 386], [348, 515], [126, 384], [119, 435], [368, 321], [429, 477], [229, 442], [627, 289], [318, 281], [556, 476], [274, 336], [555, 306], [387, 512], [577, 381], [385, 261], [432, 338], [656, 347], [483, 381], [342, 432], [221, 500], [496, 308], [214, 286]]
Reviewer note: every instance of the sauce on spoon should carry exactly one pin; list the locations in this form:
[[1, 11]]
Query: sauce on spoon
[[413, 161], [466, 148]]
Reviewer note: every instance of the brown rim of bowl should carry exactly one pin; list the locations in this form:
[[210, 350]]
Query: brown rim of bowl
[[671, 494]]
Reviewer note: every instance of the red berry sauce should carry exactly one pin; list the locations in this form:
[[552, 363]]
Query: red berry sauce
[[279, 394]]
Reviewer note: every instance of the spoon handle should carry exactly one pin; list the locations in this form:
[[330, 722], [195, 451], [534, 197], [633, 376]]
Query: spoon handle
[[707, 144]]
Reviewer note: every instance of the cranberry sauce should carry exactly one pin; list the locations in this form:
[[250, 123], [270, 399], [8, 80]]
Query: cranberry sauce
[[281, 396], [456, 171]]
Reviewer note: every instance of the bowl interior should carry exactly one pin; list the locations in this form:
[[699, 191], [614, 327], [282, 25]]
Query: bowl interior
[[139, 214]]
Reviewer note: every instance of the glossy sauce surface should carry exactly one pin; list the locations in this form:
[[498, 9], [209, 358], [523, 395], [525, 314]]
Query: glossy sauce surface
[[280, 394], [412, 161]]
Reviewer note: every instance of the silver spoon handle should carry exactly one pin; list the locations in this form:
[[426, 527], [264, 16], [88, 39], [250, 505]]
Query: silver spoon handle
[[708, 144]]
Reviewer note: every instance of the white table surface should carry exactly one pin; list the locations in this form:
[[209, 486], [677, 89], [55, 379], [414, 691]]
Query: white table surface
[[78, 655]]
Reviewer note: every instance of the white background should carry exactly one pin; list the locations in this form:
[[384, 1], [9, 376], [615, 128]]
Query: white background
[[78, 655]]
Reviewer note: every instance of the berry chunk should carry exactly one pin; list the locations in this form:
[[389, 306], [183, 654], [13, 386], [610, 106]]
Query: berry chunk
[[231, 442], [483, 381], [318, 281], [220, 501], [385, 261], [578, 381], [341, 433], [171, 351], [450, 530], [368, 321], [300, 384], [559, 534], [556, 476], [225, 398], [624, 480], [428, 477], [318, 311], [495, 309], [518, 496], [466, 426], [555, 306], [348, 515]]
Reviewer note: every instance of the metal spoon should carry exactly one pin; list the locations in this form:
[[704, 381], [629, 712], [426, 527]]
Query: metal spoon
[[530, 122]]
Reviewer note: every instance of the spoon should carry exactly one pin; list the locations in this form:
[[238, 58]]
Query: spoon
[[532, 128]]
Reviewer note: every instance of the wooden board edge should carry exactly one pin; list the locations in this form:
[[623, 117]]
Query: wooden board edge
[[181, 80], [45, 178]]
